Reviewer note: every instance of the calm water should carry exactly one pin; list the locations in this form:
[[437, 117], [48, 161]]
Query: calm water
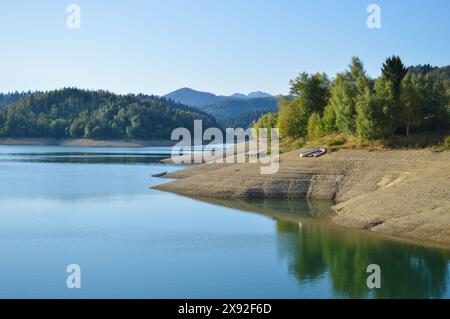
[[93, 207]]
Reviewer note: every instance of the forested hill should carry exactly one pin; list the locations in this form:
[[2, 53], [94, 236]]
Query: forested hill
[[240, 109], [8, 98], [75, 113], [435, 72]]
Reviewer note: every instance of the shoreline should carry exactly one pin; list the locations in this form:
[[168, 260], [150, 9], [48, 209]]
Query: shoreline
[[83, 142], [399, 193], [242, 205]]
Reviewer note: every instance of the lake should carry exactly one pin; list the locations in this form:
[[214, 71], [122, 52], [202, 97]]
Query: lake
[[94, 207]]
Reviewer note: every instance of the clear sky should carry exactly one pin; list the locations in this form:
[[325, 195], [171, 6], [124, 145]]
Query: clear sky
[[221, 46]]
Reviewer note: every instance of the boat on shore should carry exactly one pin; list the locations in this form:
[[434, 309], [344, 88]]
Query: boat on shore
[[314, 152], [159, 174]]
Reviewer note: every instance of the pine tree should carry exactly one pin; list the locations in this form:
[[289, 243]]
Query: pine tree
[[345, 90]]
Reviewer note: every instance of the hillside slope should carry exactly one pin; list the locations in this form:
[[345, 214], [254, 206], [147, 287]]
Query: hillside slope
[[228, 109], [75, 113]]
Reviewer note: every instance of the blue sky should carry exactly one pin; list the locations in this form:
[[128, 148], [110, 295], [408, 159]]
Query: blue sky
[[221, 46]]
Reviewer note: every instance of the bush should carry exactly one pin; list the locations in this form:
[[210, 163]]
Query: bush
[[336, 141], [420, 143], [315, 128], [447, 142]]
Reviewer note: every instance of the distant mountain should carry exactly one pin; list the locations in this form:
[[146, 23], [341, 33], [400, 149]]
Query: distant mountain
[[227, 109], [191, 97], [188, 96], [252, 95], [258, 94], [239, 96]]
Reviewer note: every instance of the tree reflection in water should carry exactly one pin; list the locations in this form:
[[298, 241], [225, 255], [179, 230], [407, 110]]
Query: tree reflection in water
[[315, 249]]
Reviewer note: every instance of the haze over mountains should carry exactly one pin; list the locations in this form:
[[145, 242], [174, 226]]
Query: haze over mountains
[[236, 108], [190, 97]]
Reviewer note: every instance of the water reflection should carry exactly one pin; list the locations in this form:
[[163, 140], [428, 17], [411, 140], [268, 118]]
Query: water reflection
[[314, 249], [84, 158], [55, 209]]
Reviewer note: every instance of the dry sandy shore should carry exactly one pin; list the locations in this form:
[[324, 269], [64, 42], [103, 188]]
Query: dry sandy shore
[[403, 193], [83, 142]]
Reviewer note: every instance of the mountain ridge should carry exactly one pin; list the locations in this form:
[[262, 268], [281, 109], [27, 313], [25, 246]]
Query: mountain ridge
[[226, 108], [191, 97]]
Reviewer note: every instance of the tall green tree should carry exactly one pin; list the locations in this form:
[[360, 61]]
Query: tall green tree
[[342, 101], [312, 90], [387, 107], [291, 119], [315, 127], [344, 93], [368, 114], [311, 93], [329, 120], [411, 104], [394, 71]]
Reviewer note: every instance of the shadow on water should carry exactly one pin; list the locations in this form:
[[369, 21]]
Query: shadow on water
[[84, 158], [314, 248]]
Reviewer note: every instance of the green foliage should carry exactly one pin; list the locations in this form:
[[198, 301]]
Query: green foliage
[[244, 120], [411, 104], [398, 102], [394, 71], [311, 91], [329, 120], [335, 141], [292, 118], [96, 114], [345, 91], [342, 101], [315, 127], [368, 112], [11, 97], [311, 94], [234, 108], [267, 121], [386, 107], [447, 142]]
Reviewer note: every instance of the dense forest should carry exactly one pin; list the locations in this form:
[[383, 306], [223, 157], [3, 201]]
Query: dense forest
[[11, 97], [399, 102], [244, 120], [75, 113], [241, 109]]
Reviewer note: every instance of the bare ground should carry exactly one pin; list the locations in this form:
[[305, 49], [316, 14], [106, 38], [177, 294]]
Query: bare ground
[[403, 193]]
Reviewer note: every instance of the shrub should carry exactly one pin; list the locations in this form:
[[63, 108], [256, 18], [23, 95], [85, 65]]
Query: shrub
[[336, 141], [315, 128], [447, 142]]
